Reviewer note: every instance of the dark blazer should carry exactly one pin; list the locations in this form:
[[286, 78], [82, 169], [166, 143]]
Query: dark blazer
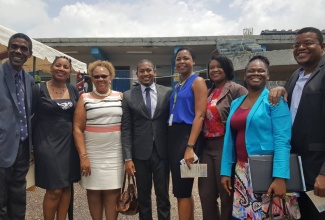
[[308, 129], [9, 117], [139, 130]]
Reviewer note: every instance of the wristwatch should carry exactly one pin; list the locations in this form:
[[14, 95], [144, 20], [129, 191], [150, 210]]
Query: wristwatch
[[190, 145]]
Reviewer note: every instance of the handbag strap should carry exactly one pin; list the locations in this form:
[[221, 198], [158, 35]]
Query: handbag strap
[[271, 205], [123, 187], [132, 179], [133, 182]]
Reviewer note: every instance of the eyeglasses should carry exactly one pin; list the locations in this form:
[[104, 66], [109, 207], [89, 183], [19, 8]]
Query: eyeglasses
[[304, 44], [101, 76], [16, 47]]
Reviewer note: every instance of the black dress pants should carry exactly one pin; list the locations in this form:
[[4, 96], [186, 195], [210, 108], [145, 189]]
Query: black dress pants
[[308, 209], [13, 186], [156, 170]]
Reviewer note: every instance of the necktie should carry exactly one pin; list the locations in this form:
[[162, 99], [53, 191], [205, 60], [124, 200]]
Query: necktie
[[148, 100], [20, 92]]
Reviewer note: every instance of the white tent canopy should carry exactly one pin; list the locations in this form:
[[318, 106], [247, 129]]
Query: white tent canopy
[[44, 54]]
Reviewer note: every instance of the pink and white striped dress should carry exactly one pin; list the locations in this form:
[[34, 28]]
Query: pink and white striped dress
[[103, 142]]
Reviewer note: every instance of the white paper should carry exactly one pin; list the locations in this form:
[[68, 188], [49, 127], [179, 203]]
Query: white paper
[[319, 202], [197, 170], [30, 177]]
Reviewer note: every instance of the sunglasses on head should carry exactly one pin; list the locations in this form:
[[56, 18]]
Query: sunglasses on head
[[100, 76]]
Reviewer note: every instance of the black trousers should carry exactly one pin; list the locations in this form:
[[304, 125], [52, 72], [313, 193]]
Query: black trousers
[[157, 170], [308, 209], [13, 186]]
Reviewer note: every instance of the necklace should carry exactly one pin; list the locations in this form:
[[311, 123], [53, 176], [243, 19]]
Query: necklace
[[60, 93], [183, 82], [101, 94]]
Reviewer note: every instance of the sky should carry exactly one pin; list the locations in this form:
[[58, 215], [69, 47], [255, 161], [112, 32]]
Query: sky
[[157, 18]]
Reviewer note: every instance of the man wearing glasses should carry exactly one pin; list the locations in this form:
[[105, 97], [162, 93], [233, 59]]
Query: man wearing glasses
[[306, 99], [15, 128]]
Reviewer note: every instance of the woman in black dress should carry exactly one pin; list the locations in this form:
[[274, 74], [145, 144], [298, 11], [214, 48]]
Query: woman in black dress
[[56, 158]]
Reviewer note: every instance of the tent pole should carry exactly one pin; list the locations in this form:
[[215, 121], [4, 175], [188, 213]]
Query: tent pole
[[34, 66]]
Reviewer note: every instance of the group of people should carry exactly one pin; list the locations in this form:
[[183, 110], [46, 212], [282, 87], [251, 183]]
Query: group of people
[[147, 130]]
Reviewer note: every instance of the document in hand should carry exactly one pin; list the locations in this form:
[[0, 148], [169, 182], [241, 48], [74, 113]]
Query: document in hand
[[319, 202], [197, 170], [261, 169]]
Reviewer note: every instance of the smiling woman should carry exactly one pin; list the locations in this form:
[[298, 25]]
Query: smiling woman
[[255, 127], [56, 158], [97, 133], [185, 124], [257, 73], [220, 96]]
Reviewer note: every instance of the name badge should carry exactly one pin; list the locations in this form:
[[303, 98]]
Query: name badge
[[170, 121]]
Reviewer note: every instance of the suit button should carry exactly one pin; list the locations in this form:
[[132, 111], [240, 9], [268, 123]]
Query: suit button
[[17, 133]]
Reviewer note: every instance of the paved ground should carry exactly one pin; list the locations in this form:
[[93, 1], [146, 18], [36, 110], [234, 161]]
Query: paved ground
[[81, 212]]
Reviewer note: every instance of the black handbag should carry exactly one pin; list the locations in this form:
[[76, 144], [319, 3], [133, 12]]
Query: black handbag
[[127, 203]]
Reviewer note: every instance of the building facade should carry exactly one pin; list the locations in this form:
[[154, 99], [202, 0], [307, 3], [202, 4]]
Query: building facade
[[125, 53]]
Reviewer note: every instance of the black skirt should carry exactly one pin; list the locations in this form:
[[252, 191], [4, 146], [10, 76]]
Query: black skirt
[[178, 135]]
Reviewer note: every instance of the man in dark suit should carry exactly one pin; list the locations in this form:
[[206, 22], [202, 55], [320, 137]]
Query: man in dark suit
[[15, 128], [306, 99], [144, 140]]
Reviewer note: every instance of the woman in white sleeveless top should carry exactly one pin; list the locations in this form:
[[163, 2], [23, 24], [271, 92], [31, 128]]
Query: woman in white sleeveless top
[[97, 133]]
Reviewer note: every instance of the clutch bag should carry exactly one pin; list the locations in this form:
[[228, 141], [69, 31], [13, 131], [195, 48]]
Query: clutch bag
[[261, 168]]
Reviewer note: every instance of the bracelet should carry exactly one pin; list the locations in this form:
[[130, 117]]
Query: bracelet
[[83, 156], [190, 145]]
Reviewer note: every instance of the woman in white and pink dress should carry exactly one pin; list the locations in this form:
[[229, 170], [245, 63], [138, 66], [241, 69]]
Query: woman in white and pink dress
[[97, 133]]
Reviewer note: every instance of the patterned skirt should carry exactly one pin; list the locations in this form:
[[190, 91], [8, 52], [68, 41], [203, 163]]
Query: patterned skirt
[[251, 206]]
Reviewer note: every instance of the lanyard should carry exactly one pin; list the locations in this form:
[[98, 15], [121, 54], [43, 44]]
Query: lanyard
[[179, 85]]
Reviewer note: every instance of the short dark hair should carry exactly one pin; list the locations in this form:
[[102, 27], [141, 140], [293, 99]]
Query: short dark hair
[[264, 59], [312, 30], [188, 49], [146, 61], [225, 63], [23, 36]]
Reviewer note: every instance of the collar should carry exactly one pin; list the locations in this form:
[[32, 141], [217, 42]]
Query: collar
[[301, 74], [13, 71], [152, 86]]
